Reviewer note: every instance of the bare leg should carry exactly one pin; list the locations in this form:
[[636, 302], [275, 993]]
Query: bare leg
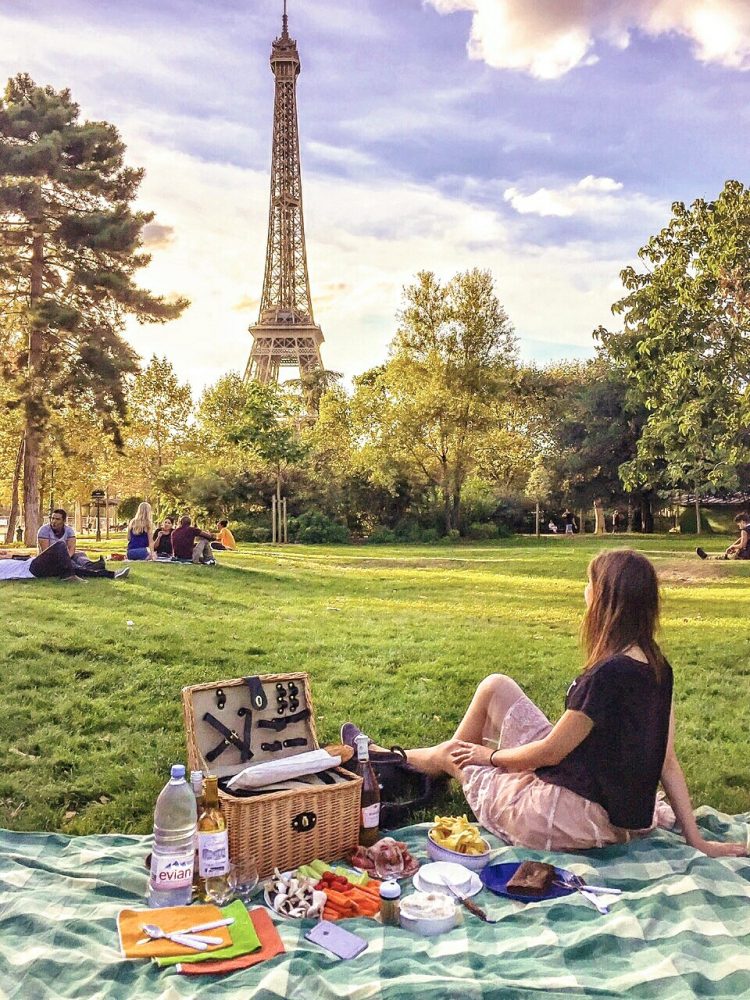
[[483, 721], [489, 706]]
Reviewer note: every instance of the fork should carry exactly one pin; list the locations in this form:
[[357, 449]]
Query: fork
[[576, 882]]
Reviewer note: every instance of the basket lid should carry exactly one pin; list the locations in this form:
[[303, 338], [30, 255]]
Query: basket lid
[[234, 724]]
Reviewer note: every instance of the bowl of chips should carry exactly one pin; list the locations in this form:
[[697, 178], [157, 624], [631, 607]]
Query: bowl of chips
[[454, 838]]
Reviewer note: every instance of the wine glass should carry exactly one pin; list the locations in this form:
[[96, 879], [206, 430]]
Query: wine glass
[[219, 890], [243, 878]]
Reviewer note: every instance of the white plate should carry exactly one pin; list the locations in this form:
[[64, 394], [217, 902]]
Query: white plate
[[475, 886]]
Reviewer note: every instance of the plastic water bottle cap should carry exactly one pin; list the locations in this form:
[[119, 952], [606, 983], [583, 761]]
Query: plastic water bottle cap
[[178, 771]]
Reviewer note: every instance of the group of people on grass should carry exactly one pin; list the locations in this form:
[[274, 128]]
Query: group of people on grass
[[186, 543], [57, 557], [591, 779]]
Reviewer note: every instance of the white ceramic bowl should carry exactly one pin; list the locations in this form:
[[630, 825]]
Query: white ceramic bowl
[[425, 925], [474, 862]]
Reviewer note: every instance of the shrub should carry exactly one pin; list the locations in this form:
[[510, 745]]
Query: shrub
[[430, 535], [260, 534], [480, 532], [314, 528], [451, 537], [381, 536]]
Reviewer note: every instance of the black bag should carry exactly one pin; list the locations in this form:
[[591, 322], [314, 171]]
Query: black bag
[[403, 790]]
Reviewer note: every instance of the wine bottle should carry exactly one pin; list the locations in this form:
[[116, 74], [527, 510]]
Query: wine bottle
[[369, 817], [213, 841]]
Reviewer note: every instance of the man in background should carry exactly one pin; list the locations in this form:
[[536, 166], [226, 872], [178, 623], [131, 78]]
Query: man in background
[[58, 530], [191, 544], [739, 549]]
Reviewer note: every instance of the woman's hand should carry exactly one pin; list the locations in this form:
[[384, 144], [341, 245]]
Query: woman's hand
[[466, 754], [716, 850]]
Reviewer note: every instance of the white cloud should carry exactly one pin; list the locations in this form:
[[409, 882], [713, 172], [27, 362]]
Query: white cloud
[[590, 196], [548, 38]]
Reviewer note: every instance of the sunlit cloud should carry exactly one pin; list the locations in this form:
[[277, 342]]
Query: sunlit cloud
[[548, 38]]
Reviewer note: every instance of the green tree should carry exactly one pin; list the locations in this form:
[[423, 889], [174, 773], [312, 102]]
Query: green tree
[[684, 346], [593, 434], [424, 413], [268, 428], [159, 409], [69, 247]]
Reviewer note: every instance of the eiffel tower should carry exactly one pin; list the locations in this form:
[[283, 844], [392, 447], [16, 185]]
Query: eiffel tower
[[286, 334]]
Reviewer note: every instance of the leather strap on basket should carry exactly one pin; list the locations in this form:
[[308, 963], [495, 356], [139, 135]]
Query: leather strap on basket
[[279, 725], [247, 733], [231, 738], [258, 697]]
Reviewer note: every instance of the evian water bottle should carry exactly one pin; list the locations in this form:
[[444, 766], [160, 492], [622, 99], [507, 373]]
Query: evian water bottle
[[171, 881]]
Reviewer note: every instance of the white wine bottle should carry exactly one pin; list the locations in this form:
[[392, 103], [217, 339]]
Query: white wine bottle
[[213, 841]]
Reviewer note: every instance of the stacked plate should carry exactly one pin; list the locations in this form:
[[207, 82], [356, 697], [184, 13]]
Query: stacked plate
[[445, 876]]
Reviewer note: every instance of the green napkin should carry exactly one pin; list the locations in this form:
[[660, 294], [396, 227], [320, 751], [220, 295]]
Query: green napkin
[[242, 933]]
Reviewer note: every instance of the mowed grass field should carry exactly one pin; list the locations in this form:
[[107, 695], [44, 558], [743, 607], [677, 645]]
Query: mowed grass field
[[395, 638]]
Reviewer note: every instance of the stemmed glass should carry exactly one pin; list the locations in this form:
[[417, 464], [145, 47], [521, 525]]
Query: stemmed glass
[[243, 878]]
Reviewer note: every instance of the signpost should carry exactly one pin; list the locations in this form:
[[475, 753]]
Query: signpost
[[96, 497]]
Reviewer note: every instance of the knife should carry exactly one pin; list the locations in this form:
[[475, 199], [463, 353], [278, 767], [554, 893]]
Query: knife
[[471, 907]]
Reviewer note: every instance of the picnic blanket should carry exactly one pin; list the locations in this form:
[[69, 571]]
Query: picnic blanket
[[681, 929]]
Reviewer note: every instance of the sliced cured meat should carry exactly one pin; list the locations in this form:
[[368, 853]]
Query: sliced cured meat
[[388, 858]]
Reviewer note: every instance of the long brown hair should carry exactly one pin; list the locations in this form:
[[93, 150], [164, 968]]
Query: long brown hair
[[624, 608]]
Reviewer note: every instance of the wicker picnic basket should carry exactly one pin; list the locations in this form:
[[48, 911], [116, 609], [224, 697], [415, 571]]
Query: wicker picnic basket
[[279, 829]]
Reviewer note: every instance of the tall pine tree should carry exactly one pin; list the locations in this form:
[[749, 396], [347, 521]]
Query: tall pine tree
[[70, 245]]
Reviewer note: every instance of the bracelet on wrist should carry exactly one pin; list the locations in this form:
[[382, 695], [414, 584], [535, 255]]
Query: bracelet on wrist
[[492, 763]]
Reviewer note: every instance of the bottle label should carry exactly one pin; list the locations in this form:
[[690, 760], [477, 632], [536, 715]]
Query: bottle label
[[213, 854], [171, 871], [371, 816]]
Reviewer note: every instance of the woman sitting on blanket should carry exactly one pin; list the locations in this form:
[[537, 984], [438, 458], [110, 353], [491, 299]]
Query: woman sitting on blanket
[[591, 779]]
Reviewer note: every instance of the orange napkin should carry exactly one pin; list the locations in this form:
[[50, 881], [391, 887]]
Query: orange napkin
[[270, 946], [130, 925]]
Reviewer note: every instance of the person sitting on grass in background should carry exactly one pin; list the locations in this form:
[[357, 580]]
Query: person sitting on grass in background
[[191, 544], [53, 563], [591, 779], [224, 538], [140, 534], [59, 530], [163, 539], [739, 549]]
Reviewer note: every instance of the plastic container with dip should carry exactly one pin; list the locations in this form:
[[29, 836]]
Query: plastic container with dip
[[427, 913]]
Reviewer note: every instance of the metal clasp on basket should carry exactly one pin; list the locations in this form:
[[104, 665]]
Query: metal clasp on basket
[[304, 821]]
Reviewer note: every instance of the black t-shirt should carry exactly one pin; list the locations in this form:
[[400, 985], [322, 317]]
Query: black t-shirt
[[164, 544], [619, 763]]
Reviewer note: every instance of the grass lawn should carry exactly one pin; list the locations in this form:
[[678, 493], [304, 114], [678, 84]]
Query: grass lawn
[[395, 638]]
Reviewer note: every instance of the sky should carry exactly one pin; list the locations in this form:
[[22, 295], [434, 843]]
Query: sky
[[542, 139]]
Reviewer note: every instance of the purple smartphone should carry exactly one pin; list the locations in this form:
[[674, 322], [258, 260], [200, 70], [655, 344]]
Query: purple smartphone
[[341, 943]]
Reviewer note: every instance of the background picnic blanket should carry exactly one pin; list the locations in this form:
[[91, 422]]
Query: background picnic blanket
[[682, 929]]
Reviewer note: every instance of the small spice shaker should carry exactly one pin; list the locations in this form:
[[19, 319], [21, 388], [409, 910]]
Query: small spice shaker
[[390, 893]]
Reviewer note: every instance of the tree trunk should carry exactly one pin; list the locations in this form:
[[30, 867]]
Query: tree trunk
[[581, 522], [600, 527], [279, 534], [631, 513], [647, 517], [14, 506], [32, 451], [698, 525], [537, 517]]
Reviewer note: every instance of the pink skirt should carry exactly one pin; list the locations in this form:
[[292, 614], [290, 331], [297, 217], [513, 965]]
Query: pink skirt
[[522, 809]]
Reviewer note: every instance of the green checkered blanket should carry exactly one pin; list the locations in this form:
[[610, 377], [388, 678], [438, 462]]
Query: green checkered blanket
[[681, 929]]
